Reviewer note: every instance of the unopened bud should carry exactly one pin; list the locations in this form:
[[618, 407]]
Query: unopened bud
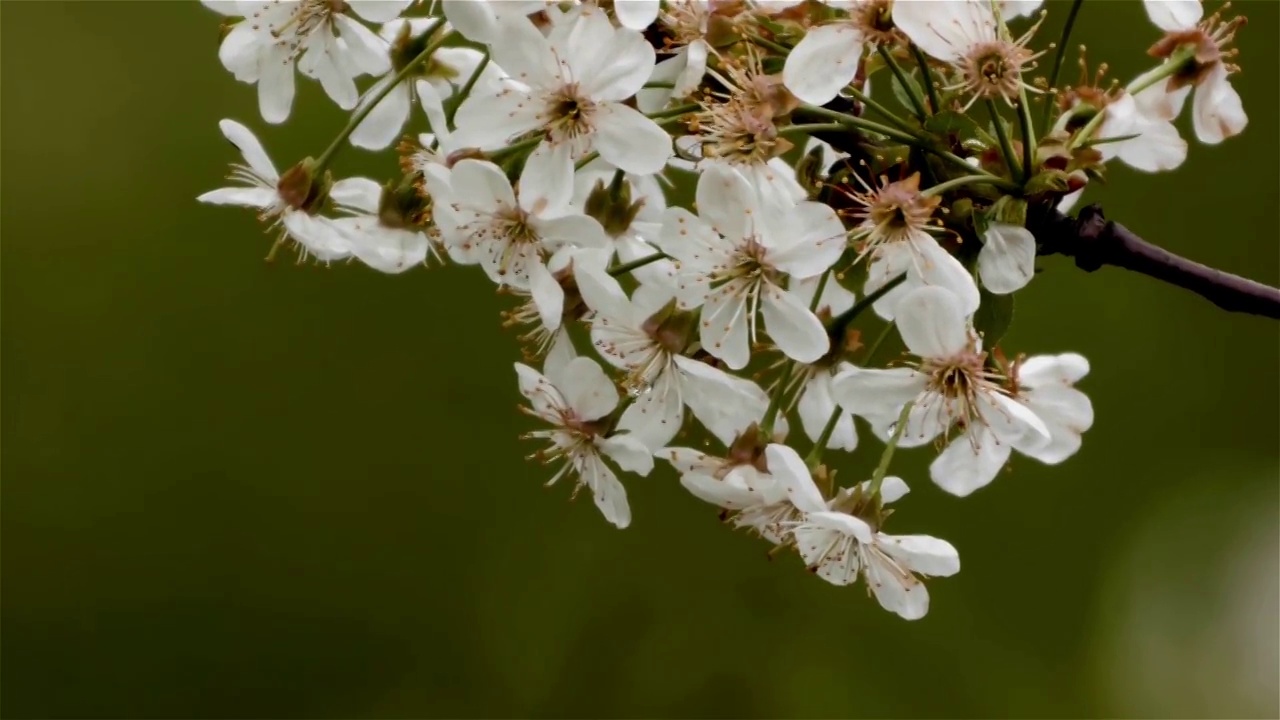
[[611, 205]]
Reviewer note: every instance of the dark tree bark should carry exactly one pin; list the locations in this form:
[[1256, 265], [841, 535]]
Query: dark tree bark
[[1094, 241]]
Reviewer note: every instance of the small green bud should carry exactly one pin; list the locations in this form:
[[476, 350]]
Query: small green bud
[[612, 206], [1010, 211]]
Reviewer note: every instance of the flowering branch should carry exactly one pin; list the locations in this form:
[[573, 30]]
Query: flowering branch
[[548, 165], [1094, 241]]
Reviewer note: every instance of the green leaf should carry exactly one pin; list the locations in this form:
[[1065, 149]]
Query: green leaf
[[994, 315], [948, 121], [904, 94]]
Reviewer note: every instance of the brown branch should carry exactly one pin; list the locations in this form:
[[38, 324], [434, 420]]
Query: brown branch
[[1095, 241]]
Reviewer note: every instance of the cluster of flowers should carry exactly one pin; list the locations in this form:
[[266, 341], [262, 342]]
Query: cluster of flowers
[[557, 134]]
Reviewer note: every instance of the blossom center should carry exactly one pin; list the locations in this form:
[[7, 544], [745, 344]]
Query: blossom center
[[994, 70], [568, 115]]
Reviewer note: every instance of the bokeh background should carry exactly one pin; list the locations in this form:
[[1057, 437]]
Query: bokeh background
[[233, 488]]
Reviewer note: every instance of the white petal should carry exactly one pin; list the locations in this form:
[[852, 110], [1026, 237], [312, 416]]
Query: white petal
[[897, 590], [656, 415], [877, 392], [636, 14], [379, 11], [580, 231], [725, 326], [524, 52], [357, 194], [385, 121], [1174, 15], [823, 63], [1011, 9], [1217, 110], [630, 454], [1007, 260], [250, 149], [797, 332], [1041, 370], [812, 240], [489, 121], [816, 407], [481, 184], [842, 523], [789, 470], [475, 20], [318, 235], [944, 29], [630, 140], [626, 64], [724, 404], [587, 389], [366, 53], [719, 492], [935, 266], [725, 200], [546, 182], [548, 296], [241, 196], [1067, 413], [931, 323], [970, 462], [922, 553], [275, 90], [609, 495]]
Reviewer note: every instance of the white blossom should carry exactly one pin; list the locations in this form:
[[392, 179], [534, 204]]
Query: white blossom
[[324, 41], [482, 222], [643, 336], [575, 398], [840, 547], [732, 258], [571, 87], [315, 234], [949, 385], [1217, 112]]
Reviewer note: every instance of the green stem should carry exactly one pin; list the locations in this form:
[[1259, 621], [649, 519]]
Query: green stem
[[470, 85], [626, 267], [842, 320], [857, 122], [894, 134], [953, 183], [1028, 134], [880, 109], [776, 47], [927, 77], [875, 345], [775, 404], [820, 445], [363, 111], [1059, 56], [525, 144], [1006, 147], [811, 128], [659, 85], [585, 160], [887, 456], [817, 293], [675, 111], [913, 94]]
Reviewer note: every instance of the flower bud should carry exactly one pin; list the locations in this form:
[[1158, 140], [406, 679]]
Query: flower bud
[[612, 205]]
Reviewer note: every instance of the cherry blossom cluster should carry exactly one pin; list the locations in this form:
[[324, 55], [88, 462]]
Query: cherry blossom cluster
[[709, 223]]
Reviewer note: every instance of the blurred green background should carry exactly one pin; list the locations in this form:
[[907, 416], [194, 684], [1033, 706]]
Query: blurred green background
[[233, 488]]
